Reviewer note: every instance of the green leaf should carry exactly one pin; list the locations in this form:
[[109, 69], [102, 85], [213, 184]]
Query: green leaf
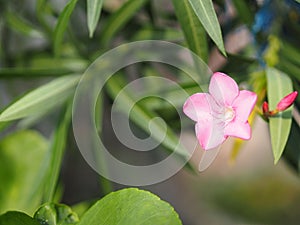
[[17, 218], [204, 9], [23, 156], [22, 26], [152, 33], [56, 214], [61, 26], [193, 30], [118, 19], [279, 85], [130, 206], [42, 98], [33, 72], [57, 152], [93, 14]]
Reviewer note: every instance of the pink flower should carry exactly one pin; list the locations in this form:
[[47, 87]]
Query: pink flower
[[287, 101], [221, 113]]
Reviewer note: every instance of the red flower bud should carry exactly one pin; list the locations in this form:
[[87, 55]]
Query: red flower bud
[[265, 108], [287, 101]]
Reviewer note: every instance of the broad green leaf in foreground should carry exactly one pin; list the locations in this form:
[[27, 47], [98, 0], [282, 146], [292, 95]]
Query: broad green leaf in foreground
[[23, 156], [42, 98], [56, 214], [279, 85], [131, 206], [192, 28], [61, 25], [204, 9], [93, 14], [17, 218]]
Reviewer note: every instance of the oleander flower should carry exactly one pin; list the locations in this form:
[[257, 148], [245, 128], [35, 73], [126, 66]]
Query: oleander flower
[[221, 113]]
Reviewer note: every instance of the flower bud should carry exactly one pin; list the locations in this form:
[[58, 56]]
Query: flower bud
[[265, 108], [287, 101]]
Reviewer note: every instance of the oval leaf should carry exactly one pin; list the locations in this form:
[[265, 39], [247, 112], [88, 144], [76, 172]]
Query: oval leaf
[[14, 218], [42, 98], [56, 214], [204, 9], [61, 25], [279, 85], [131, 206], [93, 14], [192, 28]]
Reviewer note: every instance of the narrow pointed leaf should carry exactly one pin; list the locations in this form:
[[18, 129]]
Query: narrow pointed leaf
[[93, 14], [57, 150], [61, 26], [22, 26], [130, 206], [279, 85], [118, 19], [42, 98], [204, 9], [193, 30]]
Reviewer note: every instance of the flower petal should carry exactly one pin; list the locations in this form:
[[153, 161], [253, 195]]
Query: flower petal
[[244, 104], [223, 89], [197, 106], [238, 129], [210, 133]]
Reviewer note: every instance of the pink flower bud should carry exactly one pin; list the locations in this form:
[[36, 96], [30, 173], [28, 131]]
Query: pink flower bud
[[265, 108], [287, 101]]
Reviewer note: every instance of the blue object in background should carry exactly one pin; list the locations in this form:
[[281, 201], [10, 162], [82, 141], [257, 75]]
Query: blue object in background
[[264, 18]]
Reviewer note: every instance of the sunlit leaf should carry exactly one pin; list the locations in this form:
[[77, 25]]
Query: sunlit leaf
[[56, 214], [61, 26], [42, 98], [192, 28], [23, 156], [17, 218], [130, 206], [204, 9], [279, 85], [93, 14]]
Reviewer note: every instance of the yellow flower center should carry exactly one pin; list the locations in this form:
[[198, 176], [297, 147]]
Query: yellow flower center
[[229, 114]]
